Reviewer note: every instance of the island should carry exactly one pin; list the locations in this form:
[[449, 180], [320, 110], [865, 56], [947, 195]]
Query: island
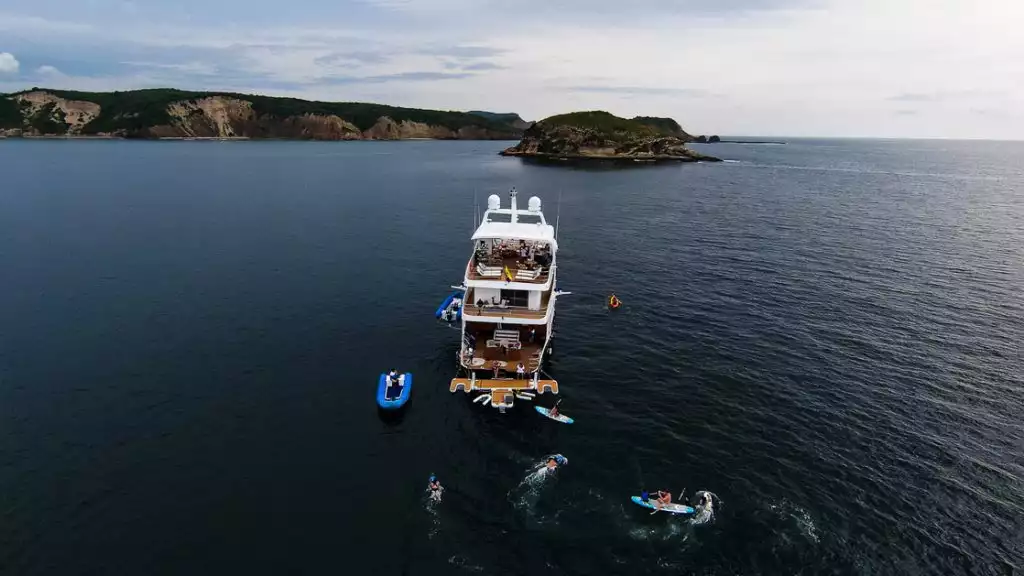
[[602, 136], [179, 114]]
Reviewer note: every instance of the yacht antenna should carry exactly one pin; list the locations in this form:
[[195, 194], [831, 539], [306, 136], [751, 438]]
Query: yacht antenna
[[476, 210]]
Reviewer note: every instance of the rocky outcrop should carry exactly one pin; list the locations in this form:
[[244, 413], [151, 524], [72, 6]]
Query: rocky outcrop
[[601, 136], [388, 129], [713, 139], [167, 113]]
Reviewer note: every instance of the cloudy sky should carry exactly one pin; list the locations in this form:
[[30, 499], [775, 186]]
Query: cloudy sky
[[915, 68]]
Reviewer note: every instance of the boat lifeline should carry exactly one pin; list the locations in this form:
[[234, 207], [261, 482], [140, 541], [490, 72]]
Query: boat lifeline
[[509, 305]]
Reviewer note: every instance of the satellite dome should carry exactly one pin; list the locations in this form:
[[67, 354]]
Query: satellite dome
[[534, 204], [493, 202]]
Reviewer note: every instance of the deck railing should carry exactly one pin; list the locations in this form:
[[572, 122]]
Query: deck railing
[[491, 272], [491, 310]]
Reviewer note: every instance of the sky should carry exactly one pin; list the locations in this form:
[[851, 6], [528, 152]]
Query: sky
[[876, 68]]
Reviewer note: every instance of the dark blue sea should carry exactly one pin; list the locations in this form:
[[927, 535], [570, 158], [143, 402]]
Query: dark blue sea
[[826, 334]]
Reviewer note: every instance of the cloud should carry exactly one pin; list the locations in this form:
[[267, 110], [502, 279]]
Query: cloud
[[480, 66], [906, 112], [414, 77], [643, 90], [47, 70], [942, 95], [457, 13], [191, 68], [914, 97], [8, 63], [355, 57], [457, 51]]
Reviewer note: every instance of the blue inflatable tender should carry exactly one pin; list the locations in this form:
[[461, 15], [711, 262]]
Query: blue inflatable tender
[[394, 396], [440, 309], [440, 312]]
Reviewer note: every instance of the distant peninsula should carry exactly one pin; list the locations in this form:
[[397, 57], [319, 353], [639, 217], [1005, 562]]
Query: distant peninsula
[[601, 136], [178, 114]]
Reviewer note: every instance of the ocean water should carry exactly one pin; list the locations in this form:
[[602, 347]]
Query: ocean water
[[825, 334]]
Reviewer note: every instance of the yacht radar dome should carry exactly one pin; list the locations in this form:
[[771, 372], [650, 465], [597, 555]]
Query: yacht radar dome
[[493, 202], [534, 204]]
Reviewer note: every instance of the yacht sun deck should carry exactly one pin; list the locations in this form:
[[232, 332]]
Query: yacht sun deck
[[512, 260]]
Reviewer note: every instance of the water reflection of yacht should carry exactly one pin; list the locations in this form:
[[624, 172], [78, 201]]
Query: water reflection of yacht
[[509, 304]]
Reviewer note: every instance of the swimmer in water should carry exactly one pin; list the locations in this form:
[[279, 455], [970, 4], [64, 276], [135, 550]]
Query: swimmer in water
[[705, 500], [435, 488], [556, 461]]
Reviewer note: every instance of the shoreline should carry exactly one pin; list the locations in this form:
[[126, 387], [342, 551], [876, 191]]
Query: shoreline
[[660, 159], [234, 138]]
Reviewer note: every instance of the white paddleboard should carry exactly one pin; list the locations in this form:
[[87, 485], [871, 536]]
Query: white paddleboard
[[547, 412]]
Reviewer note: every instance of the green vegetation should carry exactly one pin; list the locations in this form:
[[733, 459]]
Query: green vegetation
[[10, 113], [601, 121], [506, 117], [49, 120], [666, 126], [365, 115], [134, 111]]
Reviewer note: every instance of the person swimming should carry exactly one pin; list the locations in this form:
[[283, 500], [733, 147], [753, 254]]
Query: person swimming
[[434, 485], [555, 461], [705, 500]]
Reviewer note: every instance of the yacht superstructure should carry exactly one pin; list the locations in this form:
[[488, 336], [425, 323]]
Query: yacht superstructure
[[509, 304]]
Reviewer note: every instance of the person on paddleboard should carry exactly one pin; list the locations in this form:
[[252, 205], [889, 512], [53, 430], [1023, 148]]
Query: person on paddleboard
[[554, 410], [661, 498], [664, 497]]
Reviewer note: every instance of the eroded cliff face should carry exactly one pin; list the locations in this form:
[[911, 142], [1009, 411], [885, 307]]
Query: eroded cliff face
[[74, 113], [388, 129], [226, 117], [214, 117]]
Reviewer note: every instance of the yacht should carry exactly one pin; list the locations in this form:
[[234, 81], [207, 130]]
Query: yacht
[[509, 305]]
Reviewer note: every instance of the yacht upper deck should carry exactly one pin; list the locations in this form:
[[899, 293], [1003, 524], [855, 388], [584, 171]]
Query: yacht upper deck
[[513, 245], [512, 260]]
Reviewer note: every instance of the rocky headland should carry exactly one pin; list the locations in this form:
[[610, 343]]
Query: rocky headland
[[601, 136]]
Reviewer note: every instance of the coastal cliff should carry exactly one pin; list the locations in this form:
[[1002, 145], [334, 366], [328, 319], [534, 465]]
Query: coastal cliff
[[165, 113], [599, 135]]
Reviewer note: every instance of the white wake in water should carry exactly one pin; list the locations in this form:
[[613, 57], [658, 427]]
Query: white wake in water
[[430, 505], [525, 495], [804, 523], [705, 514]]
